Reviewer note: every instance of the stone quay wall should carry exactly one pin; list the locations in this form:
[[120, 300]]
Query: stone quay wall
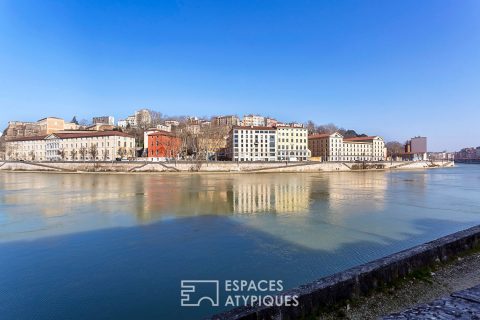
[[213, 166], [361, 280]]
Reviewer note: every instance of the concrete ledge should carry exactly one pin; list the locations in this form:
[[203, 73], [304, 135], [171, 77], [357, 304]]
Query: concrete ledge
[[358, 281]]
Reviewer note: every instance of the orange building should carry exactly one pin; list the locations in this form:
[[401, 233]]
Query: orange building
[[163, 144]]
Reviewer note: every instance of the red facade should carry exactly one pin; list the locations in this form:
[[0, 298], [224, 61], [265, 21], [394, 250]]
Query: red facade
[[163, 144]]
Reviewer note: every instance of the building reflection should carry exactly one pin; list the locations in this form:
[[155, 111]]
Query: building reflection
[[284, 194], [308, 209]]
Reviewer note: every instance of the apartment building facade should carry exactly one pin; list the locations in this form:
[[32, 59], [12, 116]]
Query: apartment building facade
[[262, 143], [292, 143], [334, 147], [253, 120], [252, 144], [26, 148], [226, 121], [163, 144], [72, 146]]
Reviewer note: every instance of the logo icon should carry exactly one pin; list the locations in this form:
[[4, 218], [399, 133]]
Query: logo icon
[[194, 292]]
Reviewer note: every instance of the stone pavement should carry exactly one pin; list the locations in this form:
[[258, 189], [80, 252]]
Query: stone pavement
[[463, 304]]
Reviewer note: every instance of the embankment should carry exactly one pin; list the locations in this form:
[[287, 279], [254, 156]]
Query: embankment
[[362, 280], [224, 166]]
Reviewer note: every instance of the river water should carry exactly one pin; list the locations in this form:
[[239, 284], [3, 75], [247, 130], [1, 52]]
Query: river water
[[116, 246]]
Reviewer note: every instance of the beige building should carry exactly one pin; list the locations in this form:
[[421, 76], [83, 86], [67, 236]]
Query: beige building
[[18, 129], [143, 118], [71, 146], [333, 147], [292, 143], [26, 148], [50, 125], [226, 121]]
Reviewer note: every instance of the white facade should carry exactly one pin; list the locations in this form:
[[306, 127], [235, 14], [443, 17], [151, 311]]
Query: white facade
[[73, 146], [253, 144], [164, 127], [172, 123], [268, 144], [333, 147], [128, 121], [253, 120]]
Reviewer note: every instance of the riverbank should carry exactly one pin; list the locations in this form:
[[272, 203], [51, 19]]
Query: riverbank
[[335, 294], [441, 281], [217, 167]]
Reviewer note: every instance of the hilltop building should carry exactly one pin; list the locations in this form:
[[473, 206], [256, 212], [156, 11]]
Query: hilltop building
[[253, 120], [103, 120], [225, 121], [141, 118]]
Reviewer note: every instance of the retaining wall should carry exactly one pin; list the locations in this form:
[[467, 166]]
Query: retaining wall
[[358, 281], [227, 166]]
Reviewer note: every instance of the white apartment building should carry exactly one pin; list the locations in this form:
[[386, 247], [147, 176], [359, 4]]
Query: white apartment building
[[252, 144], [253, 120], [292, 143], [334, 147], [172, 123], [268, 144], [164, 127], [95, 145], [128, 121]]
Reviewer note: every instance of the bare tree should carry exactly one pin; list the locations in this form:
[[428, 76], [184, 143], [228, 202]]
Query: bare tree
[[122, 152], [105, 154], [62, 153], [93, 151], [131, 152], [83, 122], [3, 145], [211, 140], [327, 128], [311, 127], [394, 148], [83, 152], [155, 118], [11, 151], [73, 154], [32, 155]]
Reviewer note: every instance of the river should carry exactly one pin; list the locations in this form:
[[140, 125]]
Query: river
[[97, 246]]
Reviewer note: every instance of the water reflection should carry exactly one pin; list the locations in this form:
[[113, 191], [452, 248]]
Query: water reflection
[[318, 211]]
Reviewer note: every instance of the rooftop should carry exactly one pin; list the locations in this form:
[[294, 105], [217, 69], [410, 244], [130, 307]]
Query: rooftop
[[360, 138]]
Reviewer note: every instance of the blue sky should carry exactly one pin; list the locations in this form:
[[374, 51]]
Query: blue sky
[[393, 68]]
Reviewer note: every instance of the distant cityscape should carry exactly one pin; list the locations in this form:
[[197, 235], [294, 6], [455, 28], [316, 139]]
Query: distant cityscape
[[147, 134]]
